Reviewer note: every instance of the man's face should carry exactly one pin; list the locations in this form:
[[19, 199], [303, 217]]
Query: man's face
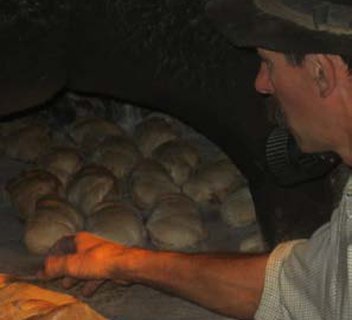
[[297, 96]]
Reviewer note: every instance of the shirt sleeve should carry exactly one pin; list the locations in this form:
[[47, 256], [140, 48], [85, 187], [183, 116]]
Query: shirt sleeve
[[270, 304]]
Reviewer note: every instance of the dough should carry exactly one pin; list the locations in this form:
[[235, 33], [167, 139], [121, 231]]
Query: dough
[[213, 182], [27, 143], [118, 154], [119, 222], [29, 186], [253, 244], [179, 157], [175, 223], [88, 133], [63, 162], [53, 219], [23, 301], [90, 186], [11, 126], [148, 182], [238, 209], [153, 132]]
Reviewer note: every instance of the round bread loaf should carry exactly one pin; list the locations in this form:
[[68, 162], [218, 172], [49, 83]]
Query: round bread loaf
[[90, 186], [179, 157], [153, 132], [118, 154], [88, 133], [119, 222], [213, 182], [175, 223], [148, 182], [53, 219], [238, 209], [11, 126], [27, 143], [63, 162], [253, 244], [29, 186]]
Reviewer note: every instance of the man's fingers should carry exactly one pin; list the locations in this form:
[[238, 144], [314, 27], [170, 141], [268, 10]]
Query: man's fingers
[[85, 241], [65, 245], [90, 287], [81, 241], [57, 266]]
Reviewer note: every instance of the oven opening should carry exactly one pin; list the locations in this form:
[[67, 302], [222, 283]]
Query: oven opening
[[139, 122]]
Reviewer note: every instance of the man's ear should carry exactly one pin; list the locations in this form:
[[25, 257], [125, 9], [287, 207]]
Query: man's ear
[[323, 70]]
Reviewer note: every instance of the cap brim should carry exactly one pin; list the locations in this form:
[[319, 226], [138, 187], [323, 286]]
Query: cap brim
[[246, 26]]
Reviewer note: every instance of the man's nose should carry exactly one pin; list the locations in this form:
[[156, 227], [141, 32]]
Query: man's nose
[[263, 82]]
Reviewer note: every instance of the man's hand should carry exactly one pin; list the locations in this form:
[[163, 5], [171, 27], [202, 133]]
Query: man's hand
[[86, 257], [230, 284]]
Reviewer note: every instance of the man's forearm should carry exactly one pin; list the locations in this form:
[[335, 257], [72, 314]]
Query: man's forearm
[[225, 283]]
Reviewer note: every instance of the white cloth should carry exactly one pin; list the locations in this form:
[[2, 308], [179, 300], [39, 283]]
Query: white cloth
[[312, 279]]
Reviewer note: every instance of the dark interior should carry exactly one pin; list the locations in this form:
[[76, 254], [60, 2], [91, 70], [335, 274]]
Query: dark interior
[[164, 55]]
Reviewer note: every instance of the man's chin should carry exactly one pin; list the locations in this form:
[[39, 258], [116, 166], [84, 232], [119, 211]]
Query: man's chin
[[309, 147], [303, 145]]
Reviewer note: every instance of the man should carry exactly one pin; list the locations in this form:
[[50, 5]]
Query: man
[[304, 46]]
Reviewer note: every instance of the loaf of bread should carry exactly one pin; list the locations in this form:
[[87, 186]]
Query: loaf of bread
[[117, 221], [153, 132], [90, 186], [88, 133], [13, 125], [212, 182], [23, 301], [238, 209], [253, 244], [29, 186], [148, 182], [118, 154], [175, 223], [63, 162], [179, 157], [53, 219], [27, 143]]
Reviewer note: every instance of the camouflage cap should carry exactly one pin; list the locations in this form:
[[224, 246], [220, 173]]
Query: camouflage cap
[[299, 26]]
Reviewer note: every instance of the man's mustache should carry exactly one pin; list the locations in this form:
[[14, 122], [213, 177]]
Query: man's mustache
[[276, 115]]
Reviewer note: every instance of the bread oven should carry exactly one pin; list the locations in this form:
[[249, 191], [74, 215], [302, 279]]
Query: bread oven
[[160, 56]]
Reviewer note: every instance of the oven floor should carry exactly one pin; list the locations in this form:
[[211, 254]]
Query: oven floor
[[134, 302]]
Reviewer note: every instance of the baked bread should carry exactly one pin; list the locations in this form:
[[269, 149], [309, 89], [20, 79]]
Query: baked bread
[[212, 182], [179, 157], [117, 221], [118, 154], [175, 223], [27, 143], [53, 219], [88, 133], [253, 244], [23, 301], [238, 209], [148, 182], [29, 186], [90, 186], [63, 162], [11, 126], [153, 132]]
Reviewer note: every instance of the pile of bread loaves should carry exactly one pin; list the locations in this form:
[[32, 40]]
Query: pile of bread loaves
[[148, 187]]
